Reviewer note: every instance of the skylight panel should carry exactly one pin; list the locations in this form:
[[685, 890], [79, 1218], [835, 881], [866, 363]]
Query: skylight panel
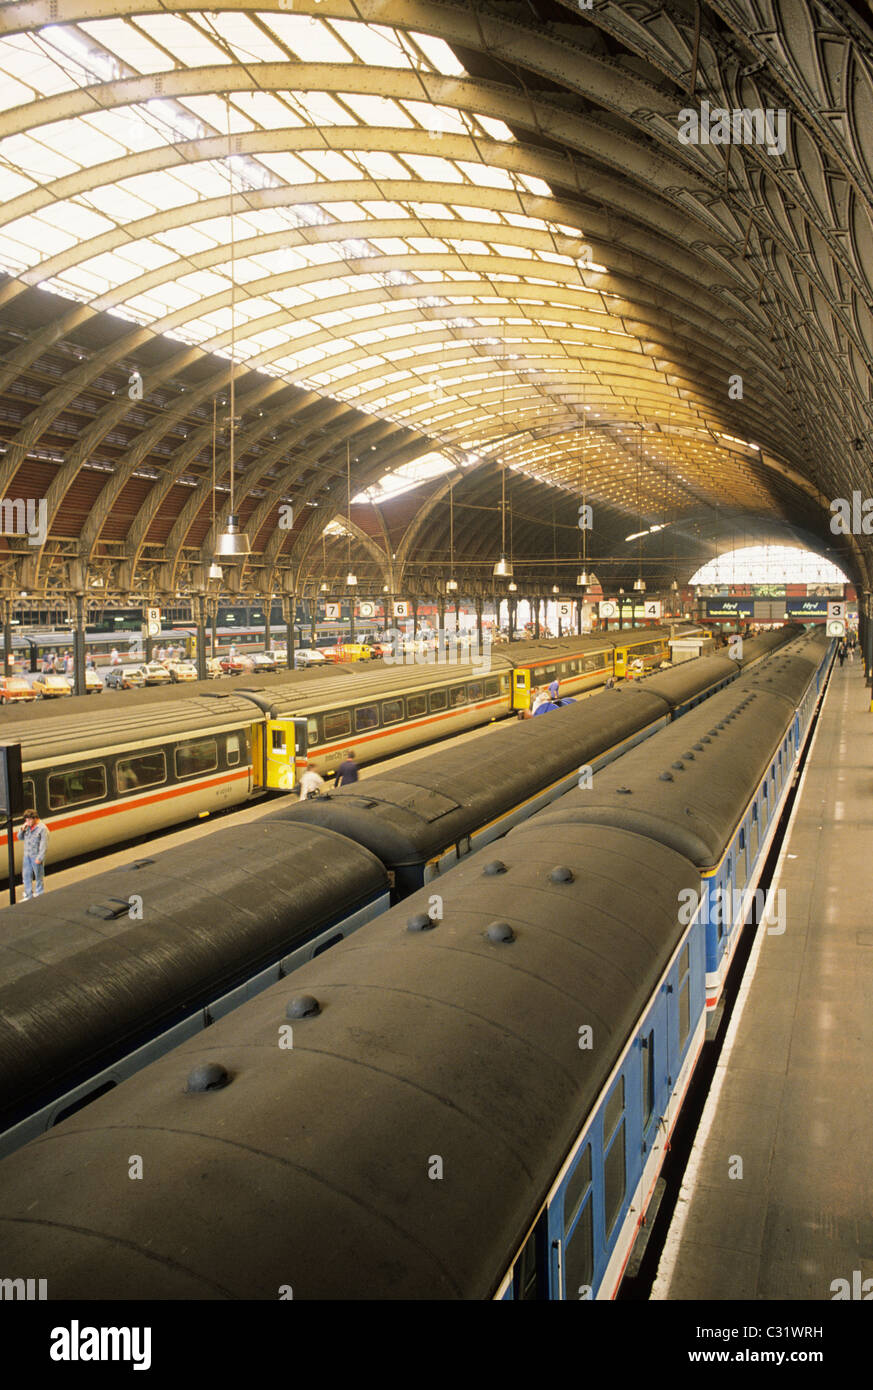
[[496, 129], [12, 184], [25, 55], [266, 110], [536, 185], [381, 165], [289, 168], [442, 119], [35, 158], [373, 44], [312, 42], [433, 168], [206, 178], [320, 108], [185, 241], [292, 296], [469, 214], [246, 38], [204, 283], [12, 93], [187, 42], [212, 111], [72, 218], [377, 111], [486, 174], [440, 55], [127, 43], [332, 165], [159, 189], [347, 212]]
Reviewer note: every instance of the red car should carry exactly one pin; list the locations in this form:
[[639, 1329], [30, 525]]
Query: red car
[[15, 688], [234, 665]]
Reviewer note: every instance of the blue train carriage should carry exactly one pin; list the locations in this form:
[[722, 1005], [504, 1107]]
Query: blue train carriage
[[594, 1219], [713, 796]]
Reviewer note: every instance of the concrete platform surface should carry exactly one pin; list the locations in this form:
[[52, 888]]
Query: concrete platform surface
[[777, 1201]]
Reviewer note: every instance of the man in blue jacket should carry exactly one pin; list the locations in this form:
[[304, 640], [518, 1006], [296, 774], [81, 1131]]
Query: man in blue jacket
[[35, 836]]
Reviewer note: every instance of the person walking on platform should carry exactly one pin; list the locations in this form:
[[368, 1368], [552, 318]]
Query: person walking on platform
[[841, 653], [311, 783], [35, 836], [347, 772]]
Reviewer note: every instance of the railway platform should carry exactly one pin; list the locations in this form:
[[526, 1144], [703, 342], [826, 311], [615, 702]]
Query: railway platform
[[777, 1200]]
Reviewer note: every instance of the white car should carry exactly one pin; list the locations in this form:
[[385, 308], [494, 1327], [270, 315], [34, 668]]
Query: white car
[[309, 656]]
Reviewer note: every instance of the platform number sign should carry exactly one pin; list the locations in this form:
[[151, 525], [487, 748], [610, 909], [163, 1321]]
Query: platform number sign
[[401, 609], [608, 608], [652, 608], [565, 611], [153, 622], [332, 612], [837, 611]]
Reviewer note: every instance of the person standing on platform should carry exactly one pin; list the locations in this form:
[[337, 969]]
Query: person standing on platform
[[311, 782], [347, 772], [553, 690], [35, 836], [841, 653], [541, 697]]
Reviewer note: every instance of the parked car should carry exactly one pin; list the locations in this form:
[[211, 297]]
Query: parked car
[[182, 670], [155, 673], [262, 661], [93, 683], [51, 687], [309, 656], [235, 665], [125, 678], [13, 689]]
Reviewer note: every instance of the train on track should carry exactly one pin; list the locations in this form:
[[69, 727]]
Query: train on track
[[147, 759], [101, 976], [469, 1098]]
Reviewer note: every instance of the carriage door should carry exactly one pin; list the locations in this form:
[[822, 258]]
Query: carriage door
[[286, 741], [620, 662], [521, 690]]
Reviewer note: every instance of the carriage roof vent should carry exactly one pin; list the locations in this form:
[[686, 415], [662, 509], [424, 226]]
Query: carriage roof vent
[[110, 909], [207, 1076], [500, 933], [303, 1006], [420, 922]]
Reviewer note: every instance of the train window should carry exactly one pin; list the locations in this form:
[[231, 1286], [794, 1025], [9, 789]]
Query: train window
[[742, 872], [29, 792], [233, 750], [146, 770], [684, 996], [754, 838], [474, 691], [579, 1255], [199, 756], [392, 711], [578, 1186], [337, 724], [312, 730], [614, 1110], [647, 1064], [492, 688], [458, 696], [614, 1171], [366, 717], [504, 684], [525, 1275], [277, 740], [438, 700], [416, 705], [71, 788]]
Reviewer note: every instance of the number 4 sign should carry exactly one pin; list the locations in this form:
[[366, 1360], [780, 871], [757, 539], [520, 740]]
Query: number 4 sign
[[652, 608]]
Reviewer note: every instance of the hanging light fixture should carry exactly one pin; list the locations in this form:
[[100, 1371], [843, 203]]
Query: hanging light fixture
[[215, 571], [512, 587], [451, 584], [639, 582], [583, 579], [503, 568], [232, 542], [351, 577]]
